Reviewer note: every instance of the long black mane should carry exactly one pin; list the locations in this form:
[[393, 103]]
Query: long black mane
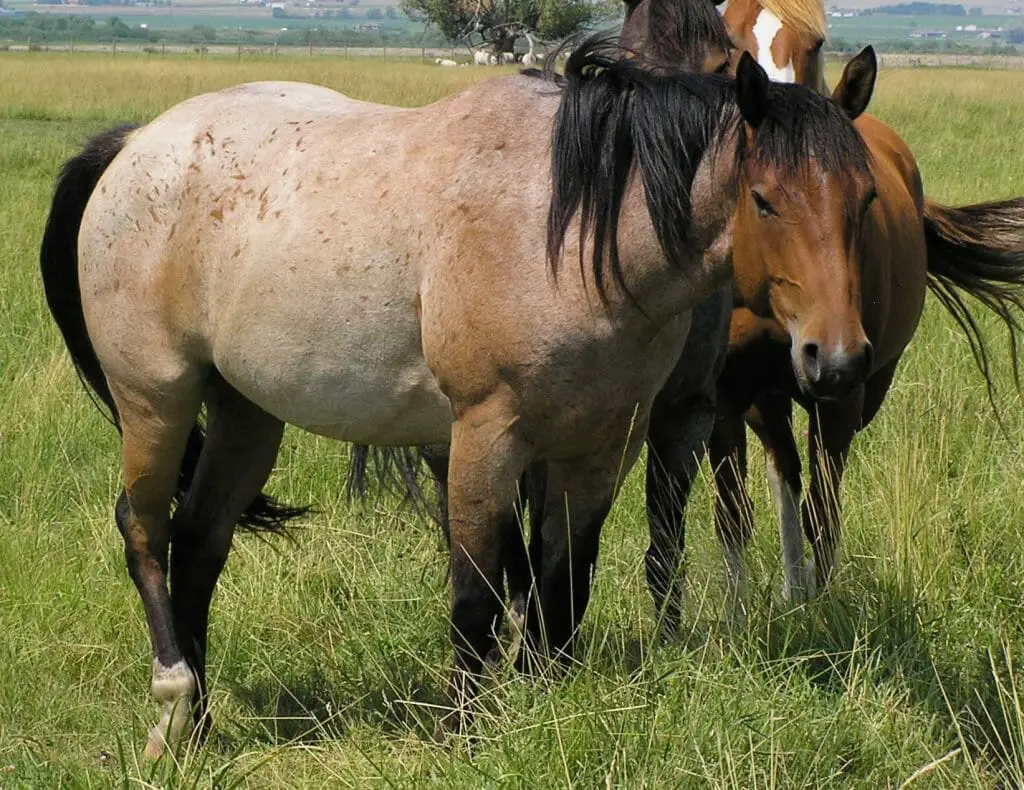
[[617, 116], [675, 32]]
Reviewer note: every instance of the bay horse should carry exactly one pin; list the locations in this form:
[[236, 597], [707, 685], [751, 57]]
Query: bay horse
[[827, 331], [264, 251]]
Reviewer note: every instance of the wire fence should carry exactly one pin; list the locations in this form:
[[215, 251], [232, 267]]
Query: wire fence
[[451, 55]]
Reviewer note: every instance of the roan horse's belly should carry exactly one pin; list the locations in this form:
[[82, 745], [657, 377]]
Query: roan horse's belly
[[341, 357]]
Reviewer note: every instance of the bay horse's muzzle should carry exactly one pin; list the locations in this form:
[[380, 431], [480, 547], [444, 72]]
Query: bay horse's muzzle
[[831, 374]]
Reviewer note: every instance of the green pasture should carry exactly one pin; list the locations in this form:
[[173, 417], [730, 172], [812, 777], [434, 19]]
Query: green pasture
[[328, 651]]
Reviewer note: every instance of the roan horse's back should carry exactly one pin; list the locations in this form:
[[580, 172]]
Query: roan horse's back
[[285, 229]]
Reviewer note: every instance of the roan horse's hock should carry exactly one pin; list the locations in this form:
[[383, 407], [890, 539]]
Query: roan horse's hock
[[265, 251]]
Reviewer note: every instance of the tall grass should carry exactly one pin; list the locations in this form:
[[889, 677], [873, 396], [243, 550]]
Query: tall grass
[[327, 654]]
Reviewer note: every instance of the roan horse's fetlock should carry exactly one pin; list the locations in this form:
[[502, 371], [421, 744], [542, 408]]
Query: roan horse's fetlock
[[174, 688]]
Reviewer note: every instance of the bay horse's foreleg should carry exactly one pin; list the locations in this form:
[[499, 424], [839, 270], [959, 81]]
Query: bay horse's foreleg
[[832, 427], [675, 446], [241, 445], [155, 430], [733, 509], [772, 420], [487, 459]]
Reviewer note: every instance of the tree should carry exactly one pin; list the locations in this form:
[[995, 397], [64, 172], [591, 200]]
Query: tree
[[499, 23]]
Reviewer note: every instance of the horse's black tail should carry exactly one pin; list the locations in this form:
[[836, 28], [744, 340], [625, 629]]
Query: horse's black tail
[[396, 470], [979, 249], [58, 259]]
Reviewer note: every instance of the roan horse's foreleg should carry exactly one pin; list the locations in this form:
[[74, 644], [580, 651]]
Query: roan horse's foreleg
[[578, 496], [487, 459], [237, 458], [155, 432]]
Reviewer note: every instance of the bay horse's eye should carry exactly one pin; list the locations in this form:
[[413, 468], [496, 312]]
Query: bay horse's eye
[[723, 68], [871, 198], [764, 208], [817, 47]]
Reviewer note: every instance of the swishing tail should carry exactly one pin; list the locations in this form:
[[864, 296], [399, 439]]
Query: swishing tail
[[397, 470], [58, 260], [979, 250]]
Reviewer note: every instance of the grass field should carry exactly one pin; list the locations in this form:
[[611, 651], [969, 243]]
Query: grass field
[[327, 652]]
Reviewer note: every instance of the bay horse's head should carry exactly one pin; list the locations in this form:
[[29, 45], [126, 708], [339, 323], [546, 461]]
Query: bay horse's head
[[784, 36], [805, 190], [683, 34]]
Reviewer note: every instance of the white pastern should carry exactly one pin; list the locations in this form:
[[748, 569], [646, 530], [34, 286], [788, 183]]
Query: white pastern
[[798, 584], [173, 687], [766, 28]]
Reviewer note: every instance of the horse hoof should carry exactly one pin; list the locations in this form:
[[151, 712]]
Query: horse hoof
[[154, 749]]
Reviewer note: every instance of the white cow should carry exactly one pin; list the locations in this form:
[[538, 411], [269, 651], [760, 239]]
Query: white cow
[[481, 58], [448, 64]]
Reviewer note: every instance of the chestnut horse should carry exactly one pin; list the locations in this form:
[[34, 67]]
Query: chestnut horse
[[785, 36], [265, 251]]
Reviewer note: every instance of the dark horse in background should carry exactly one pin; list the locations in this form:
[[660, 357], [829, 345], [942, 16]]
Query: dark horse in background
[[661, 33]]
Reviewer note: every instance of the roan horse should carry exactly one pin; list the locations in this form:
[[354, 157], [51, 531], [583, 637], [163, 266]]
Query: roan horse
[[263, 251]]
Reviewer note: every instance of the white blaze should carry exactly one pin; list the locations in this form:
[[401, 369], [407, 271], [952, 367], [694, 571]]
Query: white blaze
[[766, 28]]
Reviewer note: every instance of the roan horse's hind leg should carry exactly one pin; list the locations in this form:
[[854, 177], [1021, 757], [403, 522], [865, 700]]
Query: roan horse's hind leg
[[241, 444], [155, 429]]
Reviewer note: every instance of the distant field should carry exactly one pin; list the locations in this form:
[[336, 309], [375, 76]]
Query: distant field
[[326, 653], [891, 27]]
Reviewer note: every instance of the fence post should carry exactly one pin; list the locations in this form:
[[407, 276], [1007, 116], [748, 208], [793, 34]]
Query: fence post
[[423, 54], [163, 49], [346, 52], [385, 53], [113, 48], [311, 46], [72, 46], [239, 51], [275, 47]]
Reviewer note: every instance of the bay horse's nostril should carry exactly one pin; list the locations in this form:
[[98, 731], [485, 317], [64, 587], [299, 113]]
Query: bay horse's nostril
[[811, 363], [867, 359]]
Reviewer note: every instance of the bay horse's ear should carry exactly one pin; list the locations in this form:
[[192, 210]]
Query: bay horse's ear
[[751, 90], [857, 83]]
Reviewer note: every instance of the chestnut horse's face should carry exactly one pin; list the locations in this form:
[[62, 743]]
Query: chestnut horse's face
[[799, 225], [787, 52]]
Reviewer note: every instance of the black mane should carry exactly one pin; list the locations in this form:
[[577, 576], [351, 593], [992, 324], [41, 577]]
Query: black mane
[[674, 32], [616, 115], [802, 125]]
